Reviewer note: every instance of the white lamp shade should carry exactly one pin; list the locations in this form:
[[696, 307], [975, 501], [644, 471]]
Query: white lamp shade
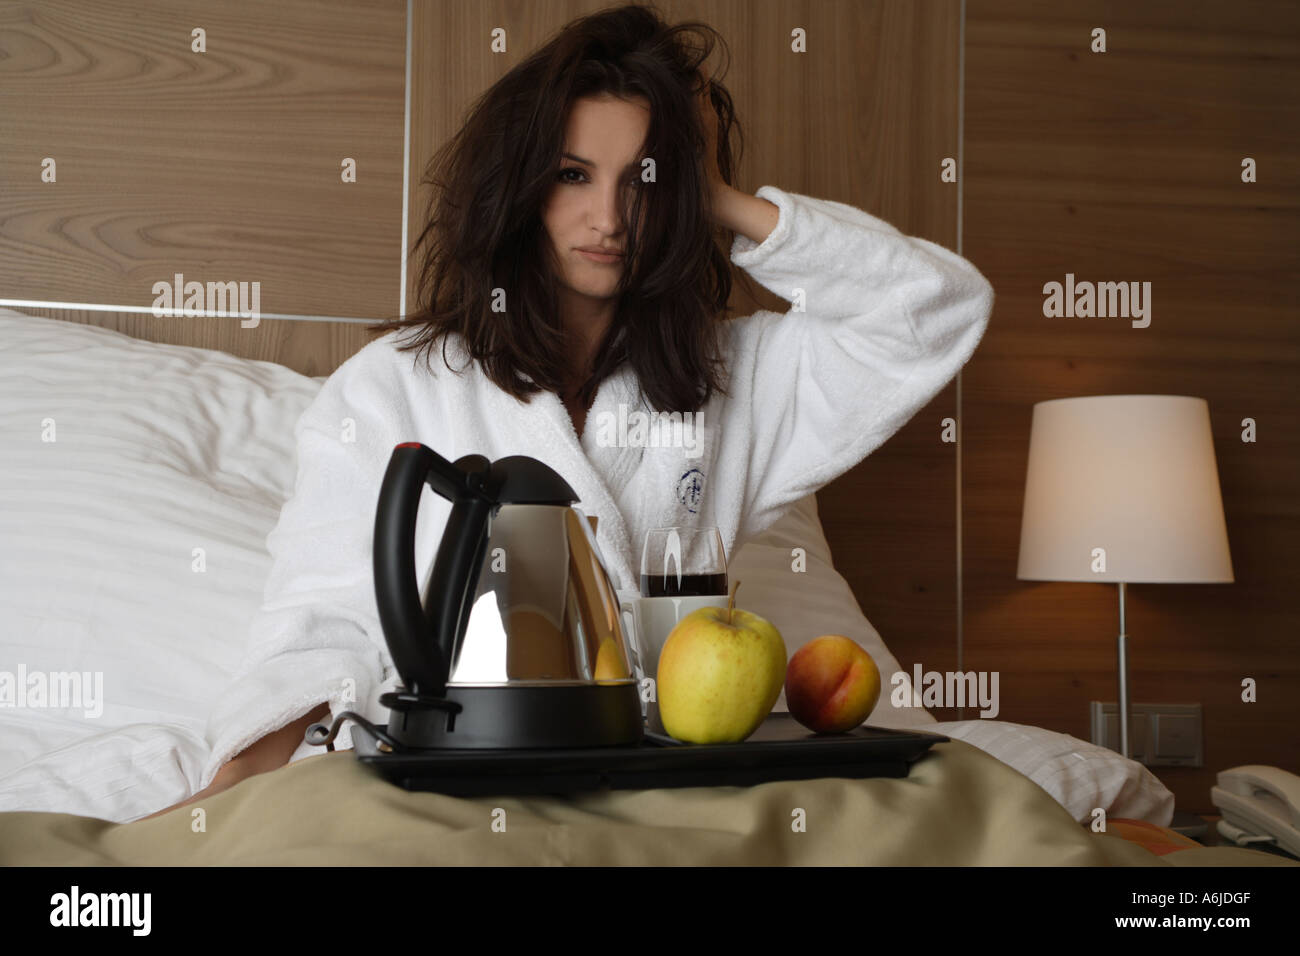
[[1133, 475]]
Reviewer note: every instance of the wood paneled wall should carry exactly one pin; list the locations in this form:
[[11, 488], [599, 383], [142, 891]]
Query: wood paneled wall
[[224, 165], [1127, 165]]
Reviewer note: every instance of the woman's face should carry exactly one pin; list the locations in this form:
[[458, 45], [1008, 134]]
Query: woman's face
[[594, 188]]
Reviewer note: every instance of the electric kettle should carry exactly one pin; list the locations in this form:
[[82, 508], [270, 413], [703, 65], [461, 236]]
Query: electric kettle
[[518, 642]]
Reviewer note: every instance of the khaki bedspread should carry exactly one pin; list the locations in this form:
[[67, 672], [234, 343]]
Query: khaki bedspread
[[958, 806]]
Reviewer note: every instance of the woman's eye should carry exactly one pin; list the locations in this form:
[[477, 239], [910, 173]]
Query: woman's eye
[[581, 176]]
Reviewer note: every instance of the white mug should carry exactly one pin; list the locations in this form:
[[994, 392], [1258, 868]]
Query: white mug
[[652, 621]]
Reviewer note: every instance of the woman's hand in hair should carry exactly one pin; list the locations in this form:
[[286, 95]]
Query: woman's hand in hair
[[734, 210], [709, 122]]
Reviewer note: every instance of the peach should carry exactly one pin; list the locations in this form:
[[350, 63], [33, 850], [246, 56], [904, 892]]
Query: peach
[[831, 684]]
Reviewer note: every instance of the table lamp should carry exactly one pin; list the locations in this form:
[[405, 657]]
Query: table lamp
[[1123, 488]]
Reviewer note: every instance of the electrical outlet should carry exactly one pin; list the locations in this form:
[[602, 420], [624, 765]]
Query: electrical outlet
[[1159, 735]]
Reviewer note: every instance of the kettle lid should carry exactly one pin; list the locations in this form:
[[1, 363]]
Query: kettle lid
[[519, 479]]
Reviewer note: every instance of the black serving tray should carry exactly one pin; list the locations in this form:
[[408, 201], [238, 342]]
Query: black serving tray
[[780, 749]]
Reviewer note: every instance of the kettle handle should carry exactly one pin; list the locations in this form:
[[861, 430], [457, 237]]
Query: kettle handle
[[422, 662]]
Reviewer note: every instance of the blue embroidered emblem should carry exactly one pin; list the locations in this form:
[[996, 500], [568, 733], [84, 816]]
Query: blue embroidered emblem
[[690, 489]]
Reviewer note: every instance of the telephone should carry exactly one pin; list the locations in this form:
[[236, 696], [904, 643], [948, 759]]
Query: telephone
[[1259, 804]]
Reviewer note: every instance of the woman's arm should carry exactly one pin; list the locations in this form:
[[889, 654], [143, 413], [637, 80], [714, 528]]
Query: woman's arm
[[275, 749], [269, 753], [883, 322], [750, 216], [880, 323]]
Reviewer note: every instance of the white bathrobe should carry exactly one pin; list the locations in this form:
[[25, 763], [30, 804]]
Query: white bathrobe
[[881, 323]]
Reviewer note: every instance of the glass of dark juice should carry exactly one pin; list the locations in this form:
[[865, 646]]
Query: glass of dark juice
[[683, 562]]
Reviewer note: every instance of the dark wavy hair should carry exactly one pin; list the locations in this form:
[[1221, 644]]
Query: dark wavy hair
[[485, 230]]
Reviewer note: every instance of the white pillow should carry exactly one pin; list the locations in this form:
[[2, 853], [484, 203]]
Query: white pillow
[[1080, 775], [160, 450]]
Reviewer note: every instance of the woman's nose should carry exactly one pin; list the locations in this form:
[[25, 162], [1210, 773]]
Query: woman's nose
[[607, 216]]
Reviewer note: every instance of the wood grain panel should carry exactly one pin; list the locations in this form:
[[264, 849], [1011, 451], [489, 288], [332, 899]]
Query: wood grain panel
[[864, 117], [1125, 166], [311, 348], [222, 166]]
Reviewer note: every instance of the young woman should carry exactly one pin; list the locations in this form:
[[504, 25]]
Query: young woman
[[573, 267]]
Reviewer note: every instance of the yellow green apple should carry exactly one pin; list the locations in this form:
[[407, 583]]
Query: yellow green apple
[[720, 672], [831, 684]]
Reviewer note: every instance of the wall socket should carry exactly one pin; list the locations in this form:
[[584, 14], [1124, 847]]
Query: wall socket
[[1159, 735]]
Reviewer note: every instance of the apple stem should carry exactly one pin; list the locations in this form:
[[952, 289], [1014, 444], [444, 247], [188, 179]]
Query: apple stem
[[731, 601]]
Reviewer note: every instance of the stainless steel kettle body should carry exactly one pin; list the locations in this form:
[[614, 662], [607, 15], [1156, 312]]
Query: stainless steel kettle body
[[518, 641]]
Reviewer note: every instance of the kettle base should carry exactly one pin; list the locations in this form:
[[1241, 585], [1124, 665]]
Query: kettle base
[[523, 716]]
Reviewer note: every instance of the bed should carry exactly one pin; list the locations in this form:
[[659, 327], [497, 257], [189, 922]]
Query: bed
[[139, 482]]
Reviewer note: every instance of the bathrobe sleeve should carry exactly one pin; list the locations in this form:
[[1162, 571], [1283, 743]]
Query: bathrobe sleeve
[[317, 637], [886, 322]]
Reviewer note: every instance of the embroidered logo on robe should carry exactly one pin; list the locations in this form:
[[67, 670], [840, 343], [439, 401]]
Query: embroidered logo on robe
[[690, 489]]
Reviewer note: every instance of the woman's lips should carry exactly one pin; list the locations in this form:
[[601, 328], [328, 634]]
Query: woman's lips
[[599, 257]]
